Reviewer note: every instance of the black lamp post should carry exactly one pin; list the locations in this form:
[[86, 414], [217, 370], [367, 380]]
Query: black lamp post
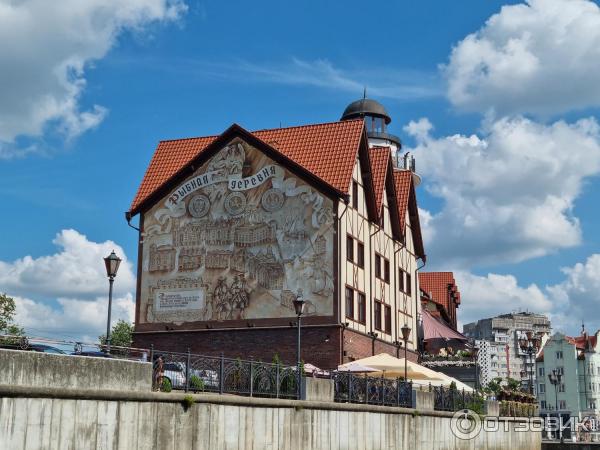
[[529, 346], [111, 262], [299, 303], [555, 379], [405, 335]]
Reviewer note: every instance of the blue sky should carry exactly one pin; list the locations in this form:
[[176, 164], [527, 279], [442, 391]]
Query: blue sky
[[141, 71]]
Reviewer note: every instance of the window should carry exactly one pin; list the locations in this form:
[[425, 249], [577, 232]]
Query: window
[[560, 370], [360, 254], [561, 387], [541, 371], [354, 194], [401, 280], [543, 404], [559, 355], [408, 284], [362, 307], [385, 276], [562, 404], [377, 265], [377, 318], [542, 389], [349, 248], [388, 319], [349, 303]]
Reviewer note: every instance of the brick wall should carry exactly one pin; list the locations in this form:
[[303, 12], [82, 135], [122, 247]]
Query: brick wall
[[320, 345], [358, 346]]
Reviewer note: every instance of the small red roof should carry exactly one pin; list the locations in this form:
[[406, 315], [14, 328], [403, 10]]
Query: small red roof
[[327, 150], [442, 287], [580, 341]]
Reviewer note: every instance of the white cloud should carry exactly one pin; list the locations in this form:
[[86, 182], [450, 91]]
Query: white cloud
[[539, 57], [51, 44], [76, 271], [508, 194], [493, 294], [66, 294], [82, 320], [567, 303], [577, 296]]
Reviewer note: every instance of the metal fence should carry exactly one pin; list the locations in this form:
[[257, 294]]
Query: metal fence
[[352, 388], [451, 399], [198, 373]]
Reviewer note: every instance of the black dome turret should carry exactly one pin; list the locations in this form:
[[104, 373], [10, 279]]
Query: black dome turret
[[365, 107]]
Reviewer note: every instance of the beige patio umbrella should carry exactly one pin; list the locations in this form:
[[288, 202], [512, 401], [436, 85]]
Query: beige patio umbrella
[[391, 367], [446, 382]]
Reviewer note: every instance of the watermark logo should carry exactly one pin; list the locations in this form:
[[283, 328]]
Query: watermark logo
[[465, 424]]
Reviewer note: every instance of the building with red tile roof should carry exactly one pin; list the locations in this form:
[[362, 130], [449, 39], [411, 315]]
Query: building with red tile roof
[[441, 288], [234, 227]]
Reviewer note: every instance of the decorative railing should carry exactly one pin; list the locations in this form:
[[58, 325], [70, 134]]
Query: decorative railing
[[352, 388], [198, 373], [451, 399]]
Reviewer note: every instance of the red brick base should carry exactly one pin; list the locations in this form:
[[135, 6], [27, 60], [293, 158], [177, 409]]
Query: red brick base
[[321, 345]]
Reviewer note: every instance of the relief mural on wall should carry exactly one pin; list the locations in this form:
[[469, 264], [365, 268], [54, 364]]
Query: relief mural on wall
[[239, 239]]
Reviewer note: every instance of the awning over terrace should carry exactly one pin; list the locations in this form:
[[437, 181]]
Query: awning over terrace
[[438, 335]]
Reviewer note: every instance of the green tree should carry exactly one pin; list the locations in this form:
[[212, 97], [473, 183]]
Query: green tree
[[7, 311], [120, 334], [7, 314]]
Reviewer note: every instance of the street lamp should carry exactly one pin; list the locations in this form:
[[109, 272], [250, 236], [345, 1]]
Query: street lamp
[[299, 303], [111, 262], [405, 335], [529, 346], [555, 379]]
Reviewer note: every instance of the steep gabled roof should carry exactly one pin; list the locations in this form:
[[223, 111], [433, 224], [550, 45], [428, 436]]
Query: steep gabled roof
[[379, 157], [407, 202], [327, 151]]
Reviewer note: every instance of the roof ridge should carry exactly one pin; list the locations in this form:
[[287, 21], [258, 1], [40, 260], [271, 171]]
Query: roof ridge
[[266, 129]]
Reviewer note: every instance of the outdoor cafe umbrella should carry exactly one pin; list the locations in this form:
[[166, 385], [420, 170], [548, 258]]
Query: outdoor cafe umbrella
[[391, 367], [356, 367]]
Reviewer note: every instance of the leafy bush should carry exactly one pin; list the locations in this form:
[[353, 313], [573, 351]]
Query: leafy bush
[[196, 383], [187, 402], [166, 385]]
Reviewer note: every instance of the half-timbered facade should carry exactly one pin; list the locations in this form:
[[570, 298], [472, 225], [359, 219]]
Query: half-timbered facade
[[234, 227]]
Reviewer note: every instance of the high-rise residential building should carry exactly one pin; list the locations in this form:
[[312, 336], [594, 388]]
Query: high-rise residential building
[[498, 340], [577, 360]]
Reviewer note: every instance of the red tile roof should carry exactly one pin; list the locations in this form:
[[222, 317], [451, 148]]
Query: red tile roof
[[379, 158], [407, 201], [580, 341], [443, 289], [326, 150], [403, 180]]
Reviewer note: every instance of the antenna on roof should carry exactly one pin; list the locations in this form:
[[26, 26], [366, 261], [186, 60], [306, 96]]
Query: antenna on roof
[[365, 92], [582, 327]]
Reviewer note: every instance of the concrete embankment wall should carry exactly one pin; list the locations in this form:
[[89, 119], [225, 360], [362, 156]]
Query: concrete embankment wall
[[51, 418], [76, 403], [19, 368]]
